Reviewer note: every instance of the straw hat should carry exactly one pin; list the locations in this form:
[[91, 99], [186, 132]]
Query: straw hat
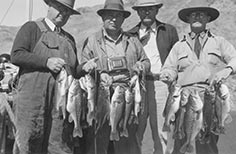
[[146, 3]]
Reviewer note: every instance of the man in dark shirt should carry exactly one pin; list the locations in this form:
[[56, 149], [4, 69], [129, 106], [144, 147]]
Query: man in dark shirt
[[40, 50]]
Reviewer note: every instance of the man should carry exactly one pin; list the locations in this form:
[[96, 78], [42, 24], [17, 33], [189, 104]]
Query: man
[[198, 60], [157, 38], [118, 55], [41, 49]]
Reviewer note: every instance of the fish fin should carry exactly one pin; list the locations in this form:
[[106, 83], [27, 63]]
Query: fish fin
[[228, 119], [124, 133], [70, 119], [114, 136], [186, 148], [179, 135], [166, 128], [78, 132]]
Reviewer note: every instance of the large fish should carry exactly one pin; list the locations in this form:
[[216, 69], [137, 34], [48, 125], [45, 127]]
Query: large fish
[[103, 103], [172, 106], [63, 82], [193, 121], [179, 130], [116, 106], [129, 99], [222, 108], [91, 93], [74, 107]]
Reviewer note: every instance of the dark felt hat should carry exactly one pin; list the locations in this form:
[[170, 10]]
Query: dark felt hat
[[114, 5], [67, 3]]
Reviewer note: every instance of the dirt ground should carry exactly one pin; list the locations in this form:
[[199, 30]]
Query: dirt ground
[[226, 144]]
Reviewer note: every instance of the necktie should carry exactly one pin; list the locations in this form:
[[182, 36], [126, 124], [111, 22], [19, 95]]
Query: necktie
[[57, 30], [144, 40], [197, 46]]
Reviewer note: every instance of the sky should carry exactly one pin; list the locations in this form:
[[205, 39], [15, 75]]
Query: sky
[[18, 14]]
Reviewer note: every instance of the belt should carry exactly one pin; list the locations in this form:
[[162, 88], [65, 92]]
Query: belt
[[153, 77]]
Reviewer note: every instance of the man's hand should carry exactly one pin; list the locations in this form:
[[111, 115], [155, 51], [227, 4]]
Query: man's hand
[[106, 78], [55, 64], [165, 77], [221, 75], [138, 67], [90, 65]]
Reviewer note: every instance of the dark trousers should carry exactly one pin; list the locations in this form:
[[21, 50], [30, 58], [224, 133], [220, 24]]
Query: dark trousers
[[101, 144]]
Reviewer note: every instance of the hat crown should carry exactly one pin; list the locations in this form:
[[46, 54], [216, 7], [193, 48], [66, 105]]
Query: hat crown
[[148, 2], [114, 4], [66, 3]]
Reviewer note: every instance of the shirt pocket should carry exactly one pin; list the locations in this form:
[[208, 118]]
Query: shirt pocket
[[183, 62], [214, 57]]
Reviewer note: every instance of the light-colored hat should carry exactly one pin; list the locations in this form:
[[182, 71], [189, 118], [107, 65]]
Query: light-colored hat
[[67, 3], [114, 5], [212, 12], [146, 3]]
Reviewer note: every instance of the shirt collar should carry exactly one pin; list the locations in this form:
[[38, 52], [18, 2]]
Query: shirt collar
[[153, 27], [50, 24], [202, 34], [107, 37]]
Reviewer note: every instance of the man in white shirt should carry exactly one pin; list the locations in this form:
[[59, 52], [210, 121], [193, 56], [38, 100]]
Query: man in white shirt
[[157, 39]]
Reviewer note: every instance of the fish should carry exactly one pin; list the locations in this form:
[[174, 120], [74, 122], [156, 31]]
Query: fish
[[137, 100], [222, 108], [179, 130], [193, 121], [129, 101], [74, 107], [91, 93], [170, 140], [63, 81], [116, 106], [172, 106], [103, 105]]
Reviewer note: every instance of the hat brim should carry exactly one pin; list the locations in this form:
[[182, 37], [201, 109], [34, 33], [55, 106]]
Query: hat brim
[[126, 13], [212, 12], [136, 7], [72, 10]]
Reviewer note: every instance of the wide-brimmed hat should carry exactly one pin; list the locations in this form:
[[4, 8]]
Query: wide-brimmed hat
[[212, 12], [146, 3], [114, 5], [67, 3]]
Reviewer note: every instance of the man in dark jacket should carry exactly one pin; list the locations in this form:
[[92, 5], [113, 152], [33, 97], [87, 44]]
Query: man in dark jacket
[[40, 50], [157, 39]]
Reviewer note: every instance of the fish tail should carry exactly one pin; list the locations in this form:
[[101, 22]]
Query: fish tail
[[166, 127], [124, 132], [187, 147], [114, 136], [78, 132]]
